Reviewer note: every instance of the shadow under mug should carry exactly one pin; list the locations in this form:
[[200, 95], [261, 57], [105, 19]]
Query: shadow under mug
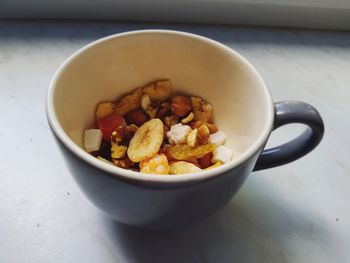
[[96, 73]]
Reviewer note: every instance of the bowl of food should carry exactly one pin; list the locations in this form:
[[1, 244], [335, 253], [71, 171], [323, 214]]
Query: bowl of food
[[161, 128]]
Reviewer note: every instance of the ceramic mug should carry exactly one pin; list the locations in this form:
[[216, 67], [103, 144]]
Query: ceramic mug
[[244, 111]]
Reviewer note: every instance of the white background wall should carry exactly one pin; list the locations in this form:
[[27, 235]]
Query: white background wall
[[329, 14]]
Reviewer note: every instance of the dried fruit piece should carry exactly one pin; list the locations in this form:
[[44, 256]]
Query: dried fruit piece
[[92, 140], [188, 119], [192, 138], [171, 120], [217, 138], [202, 110], [104, 109], [178, 133], [203, 134], [105, 150], [160, 90], [149, 107], [184, 152], [182, 167], [163, 110], [128, 103], [108, 124], [217, 164], [193, 160], [136, 117], [118, 151], [146, 141], [212, 127], [158, 164], [205, 161], [222, 154], [180, 105]]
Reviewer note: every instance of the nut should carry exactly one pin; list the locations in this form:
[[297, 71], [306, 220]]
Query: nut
[[118, 151], [203, 134], [117, 135], [128, 133], [180, 105], [151, 112], [212, 127], [171, 120], [202, 110], [145, 102], [188, 119], [192, 138], [136, 117]]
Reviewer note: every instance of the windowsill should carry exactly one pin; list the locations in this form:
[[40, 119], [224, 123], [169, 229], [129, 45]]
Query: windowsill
[[307, 14]]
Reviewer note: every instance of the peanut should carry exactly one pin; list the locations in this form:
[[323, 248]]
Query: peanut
[[188, 119], [212, 127], [203, 135]]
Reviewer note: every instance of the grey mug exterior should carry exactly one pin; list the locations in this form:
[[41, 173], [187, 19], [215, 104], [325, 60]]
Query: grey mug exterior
[[163, 207]]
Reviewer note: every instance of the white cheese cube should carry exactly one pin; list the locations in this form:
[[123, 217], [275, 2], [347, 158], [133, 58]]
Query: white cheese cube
[[217, 138], [222, 154], [92, 140], [178, 133]]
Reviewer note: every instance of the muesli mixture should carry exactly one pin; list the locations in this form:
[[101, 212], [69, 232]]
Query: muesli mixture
[[152, 131]]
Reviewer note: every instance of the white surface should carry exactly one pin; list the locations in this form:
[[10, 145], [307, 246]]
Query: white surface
[[295, 213], [327, 14]]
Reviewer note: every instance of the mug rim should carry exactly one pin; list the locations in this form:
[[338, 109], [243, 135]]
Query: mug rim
[[120, 173]]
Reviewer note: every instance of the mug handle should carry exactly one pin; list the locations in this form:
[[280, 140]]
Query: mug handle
[[287, 112]]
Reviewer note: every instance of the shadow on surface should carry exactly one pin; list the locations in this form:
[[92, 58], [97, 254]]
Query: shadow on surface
[[255, 227]]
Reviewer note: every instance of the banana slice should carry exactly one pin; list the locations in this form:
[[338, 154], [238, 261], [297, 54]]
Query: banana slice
[[146, 141], [182, 167]]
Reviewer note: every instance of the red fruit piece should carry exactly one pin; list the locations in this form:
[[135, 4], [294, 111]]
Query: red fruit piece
[[108, 124], [205, 161]]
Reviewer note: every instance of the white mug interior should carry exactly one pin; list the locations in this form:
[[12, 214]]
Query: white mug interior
[[110, 67]]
